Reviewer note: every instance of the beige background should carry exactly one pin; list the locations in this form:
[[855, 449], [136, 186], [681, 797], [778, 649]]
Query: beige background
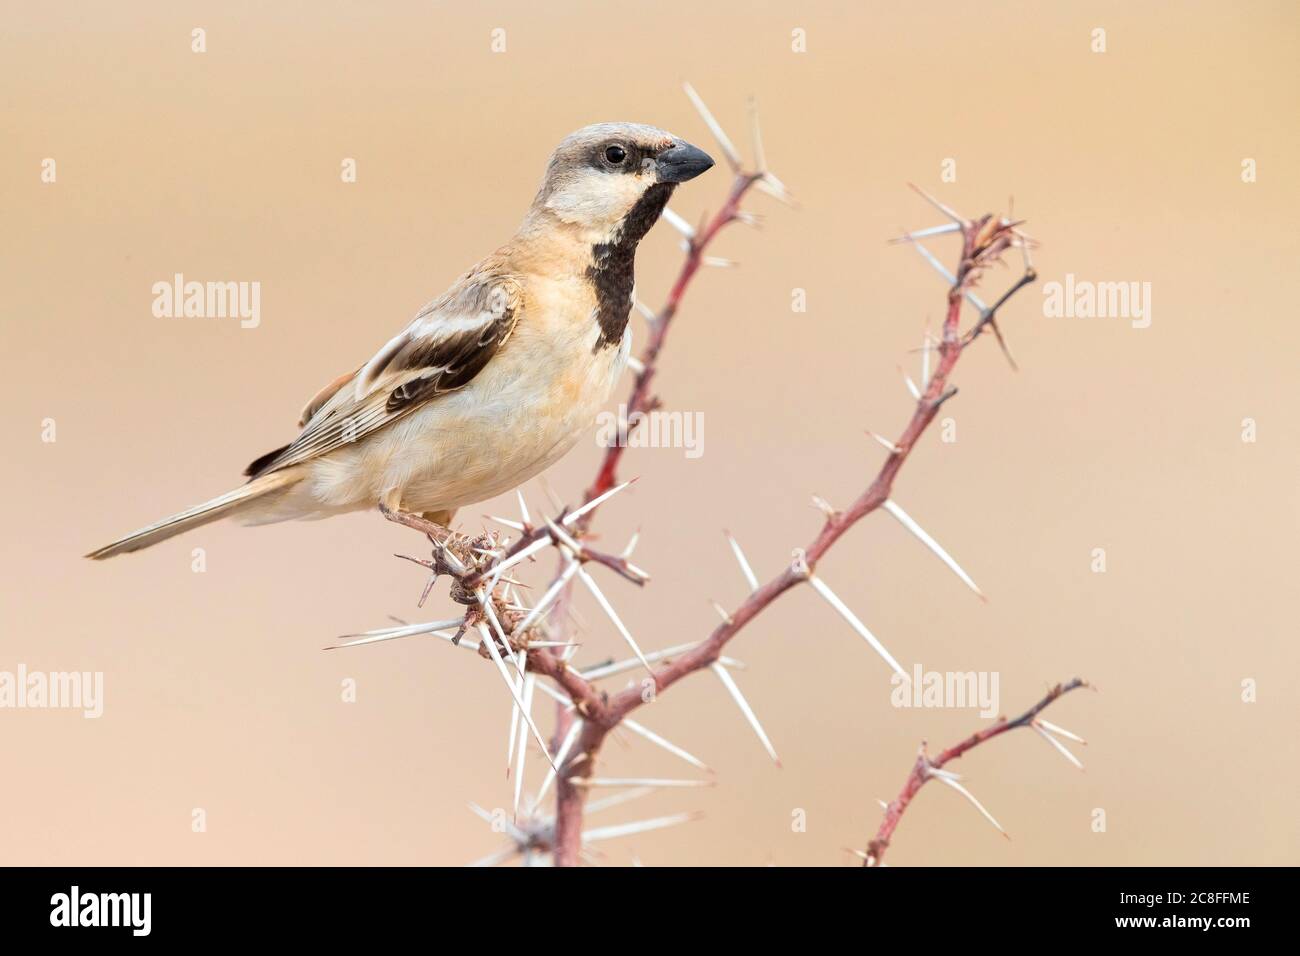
[[225, 166]]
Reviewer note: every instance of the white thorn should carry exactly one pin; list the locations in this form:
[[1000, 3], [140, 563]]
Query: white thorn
[[729, 151], [514, 720], [773, 187], [952, 214], [552, 592], [640, 826], [883, 804], [564, 539], [636, 365], [631, 545], [505, 521], [1025, 244], [940, 268], [505, 675], [530, 682], [971, 797], [523, 507], [1057, 744], [718, 262], [943, 230], [722, 612], [821, 588], [647, 313], [750, 578], [655, 782], [1060, 731], [523, 555], [667, 745], [613, 616], [906, 521], [745, 709], [594, 503], [885, 443], [678, 223], [560, 757], [393, 633], [911, 386]]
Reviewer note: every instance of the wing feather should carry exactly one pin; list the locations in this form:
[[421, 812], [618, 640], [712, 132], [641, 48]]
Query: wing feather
[[446, 345]]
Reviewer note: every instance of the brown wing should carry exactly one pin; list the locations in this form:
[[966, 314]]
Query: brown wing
[[444, 348]]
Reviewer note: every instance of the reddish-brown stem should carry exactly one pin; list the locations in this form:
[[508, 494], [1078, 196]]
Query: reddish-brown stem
[[981, 241], [920, 772]]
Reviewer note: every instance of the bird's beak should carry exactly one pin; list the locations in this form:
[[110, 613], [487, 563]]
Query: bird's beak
[[681, 162]]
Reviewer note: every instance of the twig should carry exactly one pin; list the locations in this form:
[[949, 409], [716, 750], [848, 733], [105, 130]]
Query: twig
[[925, 766]]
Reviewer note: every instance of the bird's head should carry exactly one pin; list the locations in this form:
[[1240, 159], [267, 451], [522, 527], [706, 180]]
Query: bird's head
[[610, 178]]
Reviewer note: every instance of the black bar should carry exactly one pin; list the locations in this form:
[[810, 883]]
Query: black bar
[[952, 906]]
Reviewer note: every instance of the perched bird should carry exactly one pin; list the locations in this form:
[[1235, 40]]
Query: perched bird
[[495, 379]]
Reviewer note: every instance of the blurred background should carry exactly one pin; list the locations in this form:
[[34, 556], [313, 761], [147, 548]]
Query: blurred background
[[225, 166]]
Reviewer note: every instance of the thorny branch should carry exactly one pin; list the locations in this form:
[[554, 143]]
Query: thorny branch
[[983, 241], [929, 768], [512, 632]]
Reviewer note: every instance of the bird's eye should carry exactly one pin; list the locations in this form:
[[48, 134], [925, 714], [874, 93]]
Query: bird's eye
[[615, 154]]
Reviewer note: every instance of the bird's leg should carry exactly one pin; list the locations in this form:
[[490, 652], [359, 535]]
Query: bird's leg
[[430, 522]]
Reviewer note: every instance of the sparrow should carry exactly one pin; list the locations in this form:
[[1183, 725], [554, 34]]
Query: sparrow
[[495, 379]]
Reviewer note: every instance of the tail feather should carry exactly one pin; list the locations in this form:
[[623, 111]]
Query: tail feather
[[194, 517]]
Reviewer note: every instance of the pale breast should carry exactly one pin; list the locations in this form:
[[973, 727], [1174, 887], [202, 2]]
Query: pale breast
[[537, 397]]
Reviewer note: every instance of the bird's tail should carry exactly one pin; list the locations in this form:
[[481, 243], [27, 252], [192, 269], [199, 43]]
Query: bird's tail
[[219, 507]]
